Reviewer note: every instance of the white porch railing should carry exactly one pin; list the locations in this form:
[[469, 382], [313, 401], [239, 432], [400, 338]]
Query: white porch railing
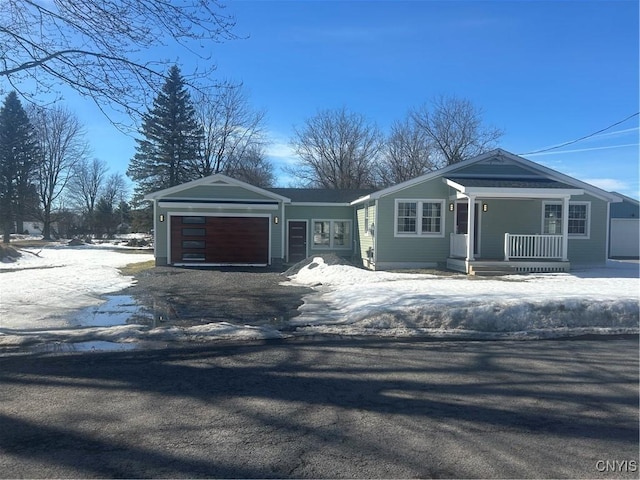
[[458, 245], [532, 246]]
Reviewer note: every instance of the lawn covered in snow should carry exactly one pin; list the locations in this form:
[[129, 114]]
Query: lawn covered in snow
[[43, 288], [42, 300], [352, 301]]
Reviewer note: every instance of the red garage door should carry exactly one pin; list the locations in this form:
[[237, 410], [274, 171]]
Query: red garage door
[[220, 240]]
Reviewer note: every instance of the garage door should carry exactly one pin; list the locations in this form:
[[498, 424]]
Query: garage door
[[220, 240], [625, 237]]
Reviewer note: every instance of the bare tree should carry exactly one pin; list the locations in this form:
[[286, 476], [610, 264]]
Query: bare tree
[[408, 153], [455, 127], [232, 129], [84, 186], [62, 145], [115, 189], [337, 149], [254, 168], [97, 47], [109, 206]]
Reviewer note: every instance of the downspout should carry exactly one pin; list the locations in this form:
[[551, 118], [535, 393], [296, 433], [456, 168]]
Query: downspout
[[375, 236]]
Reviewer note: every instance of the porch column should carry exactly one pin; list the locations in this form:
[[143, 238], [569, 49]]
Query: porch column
[[565, 229], [471, 218]]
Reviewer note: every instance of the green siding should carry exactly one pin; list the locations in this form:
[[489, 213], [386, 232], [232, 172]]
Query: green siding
[[324, 212], [212, 192], [421, 249], [506, 216], [525, 217], [593, 250], [493, 169]]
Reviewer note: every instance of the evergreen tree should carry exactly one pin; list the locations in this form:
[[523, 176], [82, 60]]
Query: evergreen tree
[[169, 149], [18, 161]]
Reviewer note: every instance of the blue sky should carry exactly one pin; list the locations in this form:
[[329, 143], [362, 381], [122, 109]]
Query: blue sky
[[544, 72]]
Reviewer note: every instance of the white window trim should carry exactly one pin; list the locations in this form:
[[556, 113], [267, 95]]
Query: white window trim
[[331, 246], [419, 205], [572, 236], [367, 230]]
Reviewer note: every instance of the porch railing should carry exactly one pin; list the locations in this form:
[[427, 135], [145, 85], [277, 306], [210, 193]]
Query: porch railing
[[458, 245], [532, 246]]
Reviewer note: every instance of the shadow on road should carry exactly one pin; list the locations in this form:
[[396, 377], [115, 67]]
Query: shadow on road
[[360, 408]]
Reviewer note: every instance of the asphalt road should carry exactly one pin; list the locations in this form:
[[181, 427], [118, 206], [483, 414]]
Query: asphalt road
[[318, 409]]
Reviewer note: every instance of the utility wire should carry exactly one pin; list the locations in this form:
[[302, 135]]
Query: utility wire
[[582, 138]]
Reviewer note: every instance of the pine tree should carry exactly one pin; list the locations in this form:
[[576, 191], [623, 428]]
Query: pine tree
[[169, 149], [18, 161]]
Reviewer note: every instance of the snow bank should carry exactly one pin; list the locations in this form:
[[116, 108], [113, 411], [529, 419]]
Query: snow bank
[[352, 301], [138, 333], [41, 297]]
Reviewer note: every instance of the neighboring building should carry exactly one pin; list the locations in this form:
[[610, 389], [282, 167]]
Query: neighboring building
[[624, 231], [524, 216]]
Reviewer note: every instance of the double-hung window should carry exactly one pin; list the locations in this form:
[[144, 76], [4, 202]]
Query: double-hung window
[[332, 234], [419, 218], [578, 221]]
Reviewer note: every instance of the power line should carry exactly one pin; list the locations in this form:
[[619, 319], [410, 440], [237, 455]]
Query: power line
[[582, 138]]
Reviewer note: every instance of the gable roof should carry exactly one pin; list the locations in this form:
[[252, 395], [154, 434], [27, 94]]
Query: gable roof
[[213, 180], [538, 172], [321, 195], [626, 198]]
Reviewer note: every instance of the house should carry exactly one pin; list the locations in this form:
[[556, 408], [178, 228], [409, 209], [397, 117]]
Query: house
[[624, 230], [523, 216]]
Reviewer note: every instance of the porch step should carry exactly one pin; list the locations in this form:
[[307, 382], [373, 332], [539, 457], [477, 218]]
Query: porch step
[[492, 270]]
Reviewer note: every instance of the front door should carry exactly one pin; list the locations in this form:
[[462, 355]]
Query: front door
[[462, 222], [297, 241]]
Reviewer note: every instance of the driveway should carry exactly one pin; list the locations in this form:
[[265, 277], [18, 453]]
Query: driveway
[[322, 409], [192, 296]]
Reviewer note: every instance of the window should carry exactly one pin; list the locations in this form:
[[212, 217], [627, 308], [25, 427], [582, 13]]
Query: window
[[406, 222], [321, 234], [193, 232], [552, 219], [341, 234], [431, 216], [192, 220], [419, 217], [193, 244], [367, 228], [332, 234], [193, 257], [578, 221]]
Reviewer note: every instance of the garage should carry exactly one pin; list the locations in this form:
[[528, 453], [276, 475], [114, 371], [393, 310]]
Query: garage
[[219, 240], [625, 238]]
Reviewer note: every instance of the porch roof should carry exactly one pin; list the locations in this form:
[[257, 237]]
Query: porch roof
[[534, 187]]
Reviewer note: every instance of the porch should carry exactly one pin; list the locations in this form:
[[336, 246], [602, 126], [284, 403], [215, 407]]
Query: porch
[[522, 254], [486, 212]]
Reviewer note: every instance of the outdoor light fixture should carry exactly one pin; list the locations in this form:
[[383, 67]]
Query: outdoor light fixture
[[451, 207], [276, 220], [485, 207], [162, 217]]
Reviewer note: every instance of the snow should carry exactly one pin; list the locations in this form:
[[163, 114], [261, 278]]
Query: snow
[[352, 301], [58, 298]]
